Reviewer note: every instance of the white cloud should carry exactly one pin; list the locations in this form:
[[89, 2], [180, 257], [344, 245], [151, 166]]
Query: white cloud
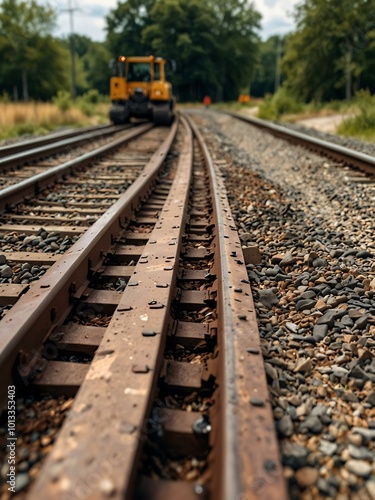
[[277, 16]]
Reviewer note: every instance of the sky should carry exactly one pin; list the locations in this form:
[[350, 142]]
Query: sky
[[89, 17]]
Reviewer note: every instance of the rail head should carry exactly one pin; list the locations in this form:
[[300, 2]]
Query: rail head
[[250, 462]]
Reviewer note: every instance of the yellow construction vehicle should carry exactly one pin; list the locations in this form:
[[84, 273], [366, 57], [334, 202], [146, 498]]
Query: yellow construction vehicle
[[139, 89]]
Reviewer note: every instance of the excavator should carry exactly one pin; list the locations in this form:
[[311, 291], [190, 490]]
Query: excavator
[[139, 89]]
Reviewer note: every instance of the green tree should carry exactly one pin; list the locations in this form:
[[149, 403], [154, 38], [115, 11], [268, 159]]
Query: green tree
[[96, 63], [263, 81], [327, 54], [214, 43], [27, 49], [125, 25], [183, 31], [236, 24]]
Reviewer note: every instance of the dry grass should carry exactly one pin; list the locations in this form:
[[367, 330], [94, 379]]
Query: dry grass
[[40, 117], [38, 113]]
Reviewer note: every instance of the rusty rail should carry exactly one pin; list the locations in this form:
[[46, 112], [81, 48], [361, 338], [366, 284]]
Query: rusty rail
[[42, 151], [249, 465], [362, 161], [98, 451], [35, 314], [31, 186], [18, 147]]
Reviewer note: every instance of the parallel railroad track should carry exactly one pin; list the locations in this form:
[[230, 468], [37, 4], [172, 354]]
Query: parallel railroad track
[[18, 147], [45, 214], [364, 162], [148, 322], [25, 159]]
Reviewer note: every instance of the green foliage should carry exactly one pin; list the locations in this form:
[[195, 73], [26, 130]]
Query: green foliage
[[331, 53], [96, 65], [279, 104], [263, 81], [31, 59], [5, 97], [26, 128], [214, 43], [63, 100], [92, 96], [88, 102], [362, 125], [125, 25]]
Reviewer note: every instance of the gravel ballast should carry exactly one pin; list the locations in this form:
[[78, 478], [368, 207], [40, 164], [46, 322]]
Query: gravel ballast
[[314, 292]]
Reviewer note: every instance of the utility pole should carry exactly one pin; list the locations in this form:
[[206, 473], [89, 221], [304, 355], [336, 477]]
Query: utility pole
[[71, 11], [278, 58]]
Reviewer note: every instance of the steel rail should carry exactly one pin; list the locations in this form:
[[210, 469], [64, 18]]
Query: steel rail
[[31, 186], [36, 313], [8, 162], [104, 432], [362, 161], [250, 465], [12, 149]]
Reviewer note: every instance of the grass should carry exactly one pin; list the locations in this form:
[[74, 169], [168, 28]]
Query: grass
[[362, 125], [40, 118], [284, 106]]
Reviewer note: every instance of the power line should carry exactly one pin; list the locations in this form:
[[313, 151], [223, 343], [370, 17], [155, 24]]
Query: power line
[[70, 10]]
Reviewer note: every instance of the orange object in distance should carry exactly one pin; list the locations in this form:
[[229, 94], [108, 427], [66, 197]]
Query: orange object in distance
[[207, 101]]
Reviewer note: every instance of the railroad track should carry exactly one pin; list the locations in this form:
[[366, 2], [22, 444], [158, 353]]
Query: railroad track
[[44, 215], [18, 147], [363, 162], [25, 159], [144, 333]]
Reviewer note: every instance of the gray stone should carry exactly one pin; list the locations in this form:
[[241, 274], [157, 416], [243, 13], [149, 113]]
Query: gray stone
[[371, 399], [367, 434], [288, 260], [311, 424], [339, 372], [361, 322], [359, 467], [364, 254], [319, 263], [336, 253], [319, 410], [3, 259], [6, 272], [285, 426], [357, 372], [293, 454], [268, 298], [327, 448], [22, 480], [305, 304], [309, 294], [319, 332], [360, 452], [292, 327], [326, 488], [330, 316]]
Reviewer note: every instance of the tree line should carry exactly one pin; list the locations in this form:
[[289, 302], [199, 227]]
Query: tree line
[[216, 46]]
